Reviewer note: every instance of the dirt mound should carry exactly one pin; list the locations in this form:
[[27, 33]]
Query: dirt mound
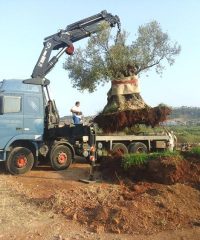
[[119, 120], [135, 207], [124, 206], [132, 208], [170, 171], [164, 170]]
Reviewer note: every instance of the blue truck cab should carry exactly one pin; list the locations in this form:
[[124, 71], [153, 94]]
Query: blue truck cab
[[21, 112], [21, 120]]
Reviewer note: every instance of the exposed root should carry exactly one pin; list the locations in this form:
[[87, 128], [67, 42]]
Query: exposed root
[[128, 118]]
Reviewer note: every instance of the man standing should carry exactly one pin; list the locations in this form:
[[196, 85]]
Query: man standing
[[76, 113]]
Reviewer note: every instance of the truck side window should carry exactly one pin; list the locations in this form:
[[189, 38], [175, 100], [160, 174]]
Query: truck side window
[[12, 104]]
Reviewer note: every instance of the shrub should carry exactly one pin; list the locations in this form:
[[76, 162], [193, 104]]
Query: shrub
[[195, 151], [138, 159], [134, 159], [165, 154]]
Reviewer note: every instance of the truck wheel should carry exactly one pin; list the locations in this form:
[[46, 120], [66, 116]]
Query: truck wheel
[[61, 157], [120, 149], [20, 160], [137, 147]]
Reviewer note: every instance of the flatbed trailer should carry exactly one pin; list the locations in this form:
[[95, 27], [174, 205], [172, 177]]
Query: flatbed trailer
[[134, 143]]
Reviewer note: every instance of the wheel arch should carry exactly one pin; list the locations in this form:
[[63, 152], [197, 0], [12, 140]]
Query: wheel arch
[[32, 146]]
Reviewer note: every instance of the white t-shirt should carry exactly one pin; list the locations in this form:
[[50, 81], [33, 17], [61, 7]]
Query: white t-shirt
[[76, 109]]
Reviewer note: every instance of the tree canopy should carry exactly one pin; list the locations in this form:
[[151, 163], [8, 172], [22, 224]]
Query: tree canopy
[[110, 58], [104, 59]]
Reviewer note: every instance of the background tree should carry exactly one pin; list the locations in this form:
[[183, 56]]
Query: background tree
[[106, 58]]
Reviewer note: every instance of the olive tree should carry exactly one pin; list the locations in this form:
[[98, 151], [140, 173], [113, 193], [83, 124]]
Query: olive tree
[[106, 58]]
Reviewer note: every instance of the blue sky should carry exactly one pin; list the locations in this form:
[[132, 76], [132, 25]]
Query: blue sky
[[24, 24]]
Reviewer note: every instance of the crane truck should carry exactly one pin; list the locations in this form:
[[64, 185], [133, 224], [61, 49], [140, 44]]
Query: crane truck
[[29, 119]]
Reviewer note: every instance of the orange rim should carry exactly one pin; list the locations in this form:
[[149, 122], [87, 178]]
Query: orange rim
[[21, 161], [62, 158]]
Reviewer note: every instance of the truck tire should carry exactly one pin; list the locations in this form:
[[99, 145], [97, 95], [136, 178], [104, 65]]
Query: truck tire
[[137, 147], [119, 148], [61, 157], [20, 160]]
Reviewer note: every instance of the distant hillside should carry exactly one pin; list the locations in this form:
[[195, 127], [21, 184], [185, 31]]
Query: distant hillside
[[186, 113], [184, 116]]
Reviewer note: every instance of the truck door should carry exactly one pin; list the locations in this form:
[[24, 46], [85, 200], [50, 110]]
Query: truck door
[[33, 116], [11, 117]]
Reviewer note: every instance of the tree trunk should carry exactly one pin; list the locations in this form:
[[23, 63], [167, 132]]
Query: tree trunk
[[124, 95], [125, 107]]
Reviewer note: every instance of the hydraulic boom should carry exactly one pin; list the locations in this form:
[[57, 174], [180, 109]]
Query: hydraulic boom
[[65, 38]]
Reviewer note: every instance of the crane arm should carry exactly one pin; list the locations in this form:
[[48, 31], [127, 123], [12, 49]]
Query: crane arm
[[65, 38]]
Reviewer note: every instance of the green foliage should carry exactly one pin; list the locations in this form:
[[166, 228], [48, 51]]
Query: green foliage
[[165, 154], [104, 59], [186, 134], [153, 46], [195, 151], [134, 159], [137, 159]]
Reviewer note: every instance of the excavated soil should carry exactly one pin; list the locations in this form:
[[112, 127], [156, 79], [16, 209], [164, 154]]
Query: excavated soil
[[121, 205], [163, 170], [118, 121]]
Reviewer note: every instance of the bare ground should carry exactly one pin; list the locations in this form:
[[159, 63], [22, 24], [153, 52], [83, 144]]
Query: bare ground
[[45, 204]]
